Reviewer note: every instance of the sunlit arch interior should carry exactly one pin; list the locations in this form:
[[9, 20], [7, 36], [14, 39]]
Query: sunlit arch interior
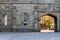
[[47, 23]]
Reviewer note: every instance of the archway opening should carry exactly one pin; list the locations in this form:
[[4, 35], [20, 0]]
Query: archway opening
[[48, 23]]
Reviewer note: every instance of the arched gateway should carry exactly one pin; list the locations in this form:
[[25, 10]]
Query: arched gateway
[[48, 23]]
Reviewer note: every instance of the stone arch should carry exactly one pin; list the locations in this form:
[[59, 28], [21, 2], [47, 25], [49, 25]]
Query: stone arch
[[55, 20]]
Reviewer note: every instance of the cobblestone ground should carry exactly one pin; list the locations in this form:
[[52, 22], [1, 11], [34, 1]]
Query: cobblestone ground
[[30, 36]]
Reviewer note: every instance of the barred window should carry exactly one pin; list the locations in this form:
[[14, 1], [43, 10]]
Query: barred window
[[6, 6], [5, 0], [14, 7], [15, 0]]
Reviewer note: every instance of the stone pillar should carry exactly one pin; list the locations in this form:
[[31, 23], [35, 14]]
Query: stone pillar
[[58, 22], [36, 17], [36, 22]]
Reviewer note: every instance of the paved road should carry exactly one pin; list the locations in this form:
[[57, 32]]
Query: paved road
[[30, 36]]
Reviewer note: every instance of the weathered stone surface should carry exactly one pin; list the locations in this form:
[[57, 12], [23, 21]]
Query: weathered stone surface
[[30, 1], [15, 13]]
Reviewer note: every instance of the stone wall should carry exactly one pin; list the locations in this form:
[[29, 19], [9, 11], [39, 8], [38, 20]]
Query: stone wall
[[6, 9], [30, 1], [16, 9]]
